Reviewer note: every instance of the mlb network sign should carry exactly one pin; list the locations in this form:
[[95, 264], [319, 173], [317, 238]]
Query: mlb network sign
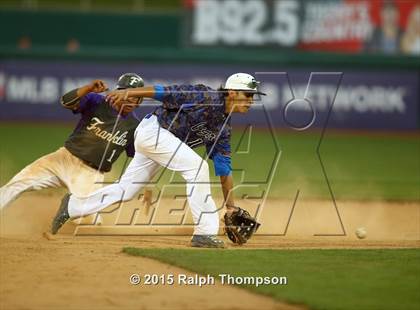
[[357, 99]]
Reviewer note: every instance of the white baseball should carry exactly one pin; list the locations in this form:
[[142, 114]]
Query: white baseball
[[361, 232]]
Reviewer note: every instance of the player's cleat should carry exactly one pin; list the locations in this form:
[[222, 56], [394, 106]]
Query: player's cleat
[[206, 241], [62, 215]]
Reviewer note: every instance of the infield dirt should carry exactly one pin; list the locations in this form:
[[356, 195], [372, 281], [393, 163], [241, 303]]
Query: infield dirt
[[91, 272]]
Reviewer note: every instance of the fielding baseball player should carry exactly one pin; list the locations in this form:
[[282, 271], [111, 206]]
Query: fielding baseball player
[[99, 138], [189, 116]]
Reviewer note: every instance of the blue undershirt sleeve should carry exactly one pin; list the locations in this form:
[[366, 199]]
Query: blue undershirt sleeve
[[222, 165], [159, 92]]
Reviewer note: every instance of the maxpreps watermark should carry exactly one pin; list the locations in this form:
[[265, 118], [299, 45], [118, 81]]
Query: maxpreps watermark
[[204, 280]]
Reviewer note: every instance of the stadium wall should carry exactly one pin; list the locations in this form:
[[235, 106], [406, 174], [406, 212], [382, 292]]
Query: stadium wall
[[38, 64]]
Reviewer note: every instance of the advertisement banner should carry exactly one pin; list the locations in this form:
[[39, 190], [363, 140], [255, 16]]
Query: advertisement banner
[[296, 98], [352, 26]]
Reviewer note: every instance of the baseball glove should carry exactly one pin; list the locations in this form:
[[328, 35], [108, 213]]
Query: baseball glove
[[240, 226]]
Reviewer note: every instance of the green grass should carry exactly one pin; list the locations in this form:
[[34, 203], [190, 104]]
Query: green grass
[[320, 279], [358, 166]]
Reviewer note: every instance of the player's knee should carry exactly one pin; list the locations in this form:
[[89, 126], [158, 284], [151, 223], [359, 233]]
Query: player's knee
[[199, 171]]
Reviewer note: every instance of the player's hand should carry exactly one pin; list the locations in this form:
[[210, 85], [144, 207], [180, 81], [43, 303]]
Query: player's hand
[[239, 225], [98, 86], [115, 98], [231, 209]]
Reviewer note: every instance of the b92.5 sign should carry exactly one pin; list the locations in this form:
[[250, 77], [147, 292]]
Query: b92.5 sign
[[245, 22]]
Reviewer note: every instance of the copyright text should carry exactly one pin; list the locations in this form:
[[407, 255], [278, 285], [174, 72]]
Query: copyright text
[[204, 280]]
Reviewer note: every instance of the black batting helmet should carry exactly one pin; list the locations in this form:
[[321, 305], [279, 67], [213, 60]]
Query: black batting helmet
[[129, 80]]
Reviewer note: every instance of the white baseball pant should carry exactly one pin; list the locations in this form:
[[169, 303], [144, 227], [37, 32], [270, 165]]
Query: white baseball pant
[[57, 169], [155, 147]]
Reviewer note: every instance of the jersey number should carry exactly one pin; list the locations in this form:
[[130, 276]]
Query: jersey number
[[112, 155]]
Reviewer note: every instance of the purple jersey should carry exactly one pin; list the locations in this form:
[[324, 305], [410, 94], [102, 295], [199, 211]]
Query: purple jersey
[[101, 134]]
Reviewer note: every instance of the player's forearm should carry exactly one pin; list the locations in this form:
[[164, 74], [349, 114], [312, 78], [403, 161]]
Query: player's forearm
[[227, 188], [84, 90], [141, 92], [71, 98]]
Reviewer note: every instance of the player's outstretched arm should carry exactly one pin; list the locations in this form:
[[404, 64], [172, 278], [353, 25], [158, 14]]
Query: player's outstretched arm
[[116, 97], [227, 188], [239, 224], [71, 99]]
